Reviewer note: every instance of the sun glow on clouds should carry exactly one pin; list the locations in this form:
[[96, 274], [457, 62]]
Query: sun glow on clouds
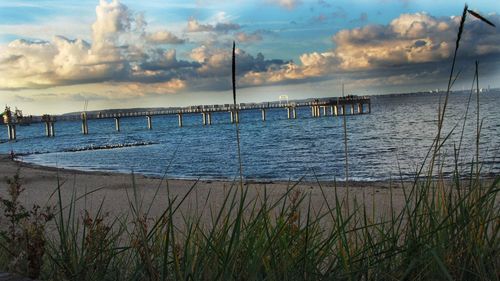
[[129, 61], [411, 39]]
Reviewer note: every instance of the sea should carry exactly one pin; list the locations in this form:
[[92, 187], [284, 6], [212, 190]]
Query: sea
[[391, 143]]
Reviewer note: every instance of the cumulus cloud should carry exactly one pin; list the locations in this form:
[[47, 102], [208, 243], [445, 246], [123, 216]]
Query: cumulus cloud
[[63, 61], [123, 56], [244, 37], [408, 42], [411, 38], [224, 27], [164, 37], [118, 51], [217, 61]]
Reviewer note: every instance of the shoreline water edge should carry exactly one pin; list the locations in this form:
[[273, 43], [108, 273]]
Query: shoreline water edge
[[113, 190]]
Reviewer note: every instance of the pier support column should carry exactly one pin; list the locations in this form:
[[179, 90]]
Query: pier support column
[[204, 118], [85, 125], [117, 124], [360, 108], [237, 116], [318, 111], [263, 111], [209, 118], [343, 109], [180, 119], [352, 109], [11, 131], [231, 113], [313, 111], [14, 131], [369, 107], [324, 110], [294, 113], [47, 129], [288, 113], [52, 129], [334, 110], [150, 122]]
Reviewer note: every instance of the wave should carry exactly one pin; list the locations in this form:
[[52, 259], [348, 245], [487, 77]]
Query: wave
[[93, 147]]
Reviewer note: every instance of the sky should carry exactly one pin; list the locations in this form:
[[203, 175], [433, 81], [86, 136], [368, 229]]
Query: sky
[[55, 55]]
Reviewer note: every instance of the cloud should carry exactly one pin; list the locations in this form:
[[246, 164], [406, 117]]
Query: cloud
[[411, 43], [42, 64], [124, 57], [244, 37], [118, 49], [164, 37], [20, 98], [215, 70], [408, 39], [217, 61], [287, 4], [224, 27]]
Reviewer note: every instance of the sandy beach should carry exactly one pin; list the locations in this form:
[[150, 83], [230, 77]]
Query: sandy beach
[[115, 191]]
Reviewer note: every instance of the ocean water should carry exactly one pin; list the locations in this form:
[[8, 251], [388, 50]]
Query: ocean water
[[391, 142]]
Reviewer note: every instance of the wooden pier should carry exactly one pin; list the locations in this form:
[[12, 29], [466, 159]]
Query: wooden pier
[[348, 105]]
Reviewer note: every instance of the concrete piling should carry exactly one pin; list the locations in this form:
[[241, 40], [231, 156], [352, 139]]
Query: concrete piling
[[263, 111], [117, 124], [52, 129], [47, 129], [150, 122], [85, 125], [335, 111], [49, 125], [294, 113], [204, 118], [209, 118], [180, 119], [11, 131]]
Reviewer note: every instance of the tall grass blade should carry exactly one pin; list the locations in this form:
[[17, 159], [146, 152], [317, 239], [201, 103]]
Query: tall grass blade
[[233, 76], [480, 17]]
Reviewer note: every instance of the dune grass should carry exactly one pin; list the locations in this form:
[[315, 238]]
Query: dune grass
[[447, 229]]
